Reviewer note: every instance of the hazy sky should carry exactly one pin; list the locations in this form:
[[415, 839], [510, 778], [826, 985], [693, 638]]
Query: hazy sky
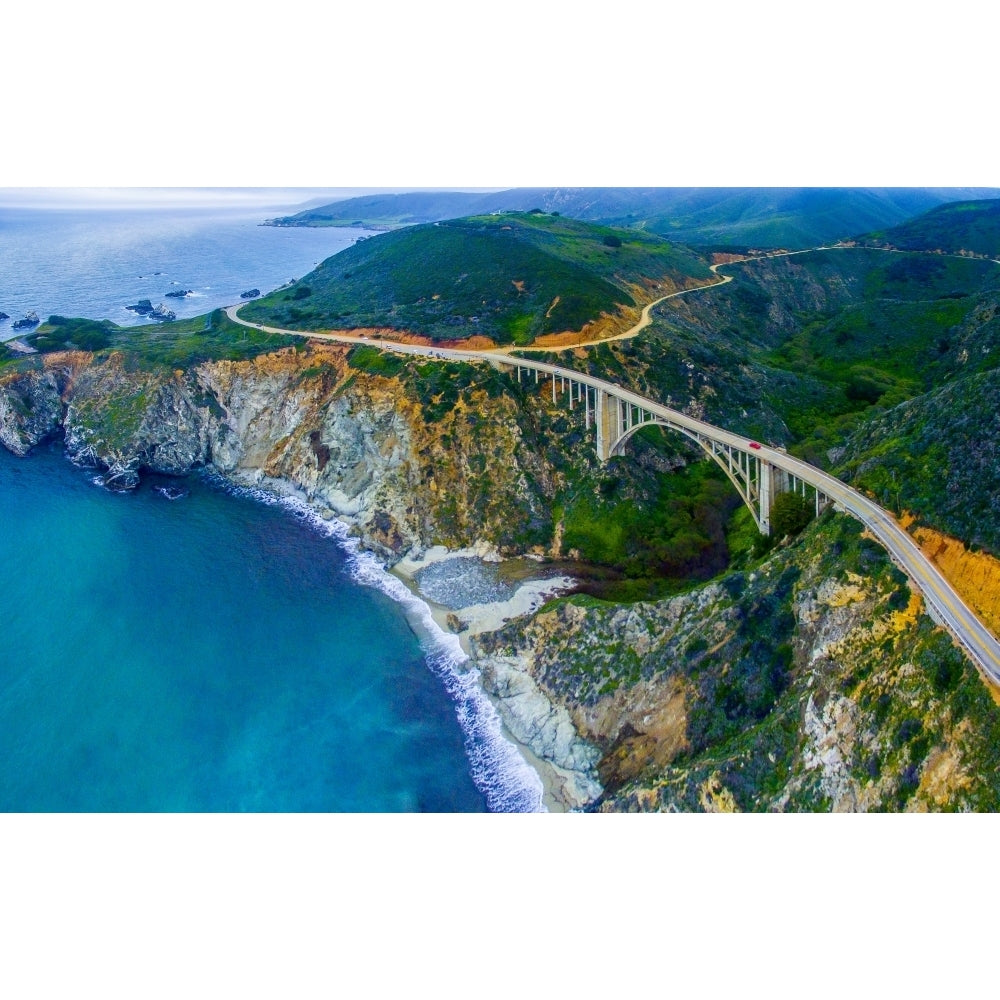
[[179, 197]]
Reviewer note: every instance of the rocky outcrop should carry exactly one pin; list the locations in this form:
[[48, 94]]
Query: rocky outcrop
[[353, 444], [31, 404], [30, 411], [544, 727], [30, 320], [607, 677], [813, 683], [125, 421], [145, 308]]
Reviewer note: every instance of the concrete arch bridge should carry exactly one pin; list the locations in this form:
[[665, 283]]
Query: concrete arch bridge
[[759, 474]]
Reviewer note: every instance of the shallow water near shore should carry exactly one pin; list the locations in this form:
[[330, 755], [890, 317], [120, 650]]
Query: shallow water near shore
[[215, 653]]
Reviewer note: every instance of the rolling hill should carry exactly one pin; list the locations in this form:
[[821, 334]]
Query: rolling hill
[[386, 211], [963, 227], [510, 277]]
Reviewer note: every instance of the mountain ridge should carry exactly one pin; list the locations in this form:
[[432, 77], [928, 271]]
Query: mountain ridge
[[793, 218]]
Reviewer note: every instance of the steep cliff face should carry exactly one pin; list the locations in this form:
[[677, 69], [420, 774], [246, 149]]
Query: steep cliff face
[[353, 442], [31, 402]]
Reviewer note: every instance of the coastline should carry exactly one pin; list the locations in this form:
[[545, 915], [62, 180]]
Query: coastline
[[455, 659], [528, 596]]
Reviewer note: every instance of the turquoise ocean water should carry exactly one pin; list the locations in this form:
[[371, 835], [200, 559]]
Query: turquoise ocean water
[[224, 651]]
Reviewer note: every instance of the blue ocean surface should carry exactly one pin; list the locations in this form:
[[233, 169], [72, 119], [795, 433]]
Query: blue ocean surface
[[96, 262], [225, 650], [212, 652]]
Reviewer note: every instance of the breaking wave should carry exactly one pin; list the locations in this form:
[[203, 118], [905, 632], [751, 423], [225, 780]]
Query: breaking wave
[[502, 775]]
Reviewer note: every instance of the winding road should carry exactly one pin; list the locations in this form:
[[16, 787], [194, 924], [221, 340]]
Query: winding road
[[943, 602]]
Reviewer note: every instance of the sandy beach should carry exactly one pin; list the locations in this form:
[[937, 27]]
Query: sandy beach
[[528, 595]]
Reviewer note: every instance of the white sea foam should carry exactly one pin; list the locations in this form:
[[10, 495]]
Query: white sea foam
[[506, 780]]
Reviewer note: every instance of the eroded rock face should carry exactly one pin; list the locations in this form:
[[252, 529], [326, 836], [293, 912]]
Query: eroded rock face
[[127, 421], [352, 443], [544, 727], [811, 683], [608, 676], [30, 411], [31, 404]]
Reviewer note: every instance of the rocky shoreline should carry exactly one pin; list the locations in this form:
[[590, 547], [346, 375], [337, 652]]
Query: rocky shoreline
[[345, 445], [541, 729]]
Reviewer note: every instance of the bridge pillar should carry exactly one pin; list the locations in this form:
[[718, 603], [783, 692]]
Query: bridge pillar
[[604, 422], [772, 482], [764, 470]]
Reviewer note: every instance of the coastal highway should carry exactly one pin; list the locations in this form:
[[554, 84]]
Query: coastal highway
[[944, 604]]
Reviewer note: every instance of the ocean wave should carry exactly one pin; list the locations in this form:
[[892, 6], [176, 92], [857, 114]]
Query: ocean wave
[[502, 775]]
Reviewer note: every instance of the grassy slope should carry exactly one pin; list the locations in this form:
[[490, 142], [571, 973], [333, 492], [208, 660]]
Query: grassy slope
[[937, 456], [963, 227], [511, 277], [793, 218], [386, 210], [178, 344], [795, 341]]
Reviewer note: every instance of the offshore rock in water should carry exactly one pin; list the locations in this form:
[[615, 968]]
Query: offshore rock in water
[[161, 312], [30, 319], [462, 581], [172, 492]]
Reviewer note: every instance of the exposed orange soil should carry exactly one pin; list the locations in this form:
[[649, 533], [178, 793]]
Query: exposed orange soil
[[975, 575], [728, 258], [478, 342]]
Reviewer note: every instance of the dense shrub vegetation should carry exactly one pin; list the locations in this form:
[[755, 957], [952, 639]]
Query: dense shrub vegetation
[[213, 337]]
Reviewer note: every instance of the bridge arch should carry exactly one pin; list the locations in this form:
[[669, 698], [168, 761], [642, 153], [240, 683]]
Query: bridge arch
[[618, 413], [741, 474]]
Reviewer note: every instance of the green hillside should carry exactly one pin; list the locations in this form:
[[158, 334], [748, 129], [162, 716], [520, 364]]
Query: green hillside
[[383, 211], [211, 337], [792, 218], [802, 350], [964, 227], [937, 456], [510, 277]]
